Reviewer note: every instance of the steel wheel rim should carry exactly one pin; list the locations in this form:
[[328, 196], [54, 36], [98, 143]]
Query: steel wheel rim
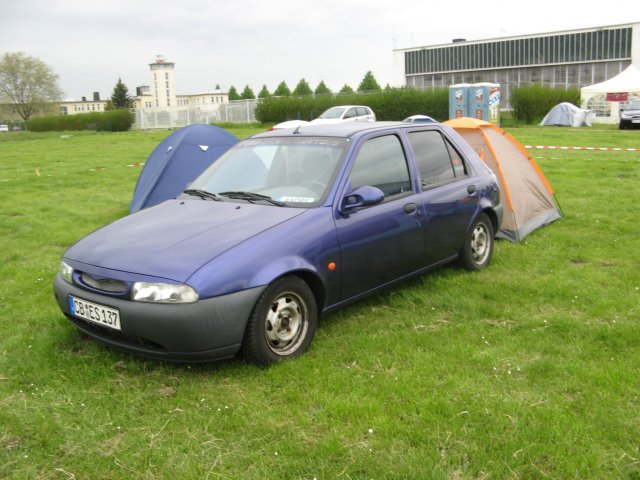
[[286, 323], [480, 244]]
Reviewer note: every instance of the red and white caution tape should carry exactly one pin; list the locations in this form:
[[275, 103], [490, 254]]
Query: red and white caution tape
[[608, 149]]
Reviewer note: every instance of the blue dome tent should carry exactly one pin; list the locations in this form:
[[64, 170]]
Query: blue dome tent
[[177, 161]]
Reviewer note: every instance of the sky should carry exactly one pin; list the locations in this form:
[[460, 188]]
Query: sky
[[90, 44]]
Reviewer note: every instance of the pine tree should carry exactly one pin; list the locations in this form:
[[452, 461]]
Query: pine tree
[[264, 93], [233, 94], [302, 88], [369, 83], [282, 90], [346, 89], [322, 89], [120, 97], [247, 93]]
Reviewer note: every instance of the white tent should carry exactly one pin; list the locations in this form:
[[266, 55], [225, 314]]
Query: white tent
[[605, 98], [566, 114]]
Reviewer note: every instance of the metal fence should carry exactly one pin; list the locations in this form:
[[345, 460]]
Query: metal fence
[[240, 111]]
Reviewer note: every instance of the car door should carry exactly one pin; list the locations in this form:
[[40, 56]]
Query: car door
[[382, 242], [449, 193], [364, 114], [351, 114]]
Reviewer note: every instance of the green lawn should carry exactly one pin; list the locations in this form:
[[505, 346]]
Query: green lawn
[[528, 369]]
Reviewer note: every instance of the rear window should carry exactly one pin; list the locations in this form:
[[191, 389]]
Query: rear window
[[438, 162]]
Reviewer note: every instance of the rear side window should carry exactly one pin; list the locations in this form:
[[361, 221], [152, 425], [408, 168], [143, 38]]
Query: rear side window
[[381, 163], [438, 162], [352, 112]]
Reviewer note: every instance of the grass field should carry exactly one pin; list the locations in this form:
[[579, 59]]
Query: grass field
[[529, 369]]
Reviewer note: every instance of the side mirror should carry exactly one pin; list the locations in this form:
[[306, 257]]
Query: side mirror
[[361, 197]]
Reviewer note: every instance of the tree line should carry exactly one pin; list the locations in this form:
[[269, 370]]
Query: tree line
[[368, 84]]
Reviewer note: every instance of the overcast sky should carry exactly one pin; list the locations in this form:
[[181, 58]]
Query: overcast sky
[[90, 44]]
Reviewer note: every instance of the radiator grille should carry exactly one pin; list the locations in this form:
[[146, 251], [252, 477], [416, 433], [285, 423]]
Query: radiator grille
[[104, 284]]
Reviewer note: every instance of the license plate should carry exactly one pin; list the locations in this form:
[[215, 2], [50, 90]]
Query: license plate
[[94, 312], [635, 120]]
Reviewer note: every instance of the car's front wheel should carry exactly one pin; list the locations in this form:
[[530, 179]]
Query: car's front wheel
[[282, 323], [477, 250]]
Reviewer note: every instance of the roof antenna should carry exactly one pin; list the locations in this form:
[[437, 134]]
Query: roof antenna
[[297, 130]]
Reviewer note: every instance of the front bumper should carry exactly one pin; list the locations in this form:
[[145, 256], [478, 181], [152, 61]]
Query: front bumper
[[208, 329]]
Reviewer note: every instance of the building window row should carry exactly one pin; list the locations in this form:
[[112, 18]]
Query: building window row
[[597, 45], [87, 108]]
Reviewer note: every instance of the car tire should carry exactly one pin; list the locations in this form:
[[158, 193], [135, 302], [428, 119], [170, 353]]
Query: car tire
[[282, 323], [477, 250]]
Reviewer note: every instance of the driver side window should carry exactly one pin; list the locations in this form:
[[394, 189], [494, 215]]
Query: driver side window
[[381, 163]]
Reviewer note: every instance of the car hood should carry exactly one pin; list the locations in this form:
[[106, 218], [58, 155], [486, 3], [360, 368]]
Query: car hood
[[172, 240]]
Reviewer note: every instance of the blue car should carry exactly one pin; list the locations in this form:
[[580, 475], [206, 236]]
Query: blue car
[[284, 226]]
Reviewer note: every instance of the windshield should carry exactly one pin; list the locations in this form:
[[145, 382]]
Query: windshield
[[335, 112], [633, 105], [289, 171]]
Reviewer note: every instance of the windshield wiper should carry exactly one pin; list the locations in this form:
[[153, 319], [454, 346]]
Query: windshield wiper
[[252, 197], [202, 194]]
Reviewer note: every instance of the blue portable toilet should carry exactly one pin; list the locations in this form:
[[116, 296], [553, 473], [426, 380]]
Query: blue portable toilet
[[484, 102], [459, 100]]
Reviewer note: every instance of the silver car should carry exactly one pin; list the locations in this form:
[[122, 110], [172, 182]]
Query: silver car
[[346, 113]]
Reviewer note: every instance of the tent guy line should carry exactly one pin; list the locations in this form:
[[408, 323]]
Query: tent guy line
[[539, 147]]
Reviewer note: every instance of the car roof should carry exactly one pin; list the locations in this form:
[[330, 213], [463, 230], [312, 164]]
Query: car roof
[[347, 106], [346, 129]]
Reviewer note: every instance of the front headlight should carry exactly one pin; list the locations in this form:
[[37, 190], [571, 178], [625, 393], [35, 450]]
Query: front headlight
[[66, 272], [163, 293], [625, 115]]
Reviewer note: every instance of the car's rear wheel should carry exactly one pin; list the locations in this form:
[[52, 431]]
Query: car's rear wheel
[[477, 250], [282, 323]]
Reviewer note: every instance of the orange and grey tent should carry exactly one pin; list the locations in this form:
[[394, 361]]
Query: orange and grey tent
[[527, 197]]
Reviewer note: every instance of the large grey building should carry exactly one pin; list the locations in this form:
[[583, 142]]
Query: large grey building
[[573, 58]]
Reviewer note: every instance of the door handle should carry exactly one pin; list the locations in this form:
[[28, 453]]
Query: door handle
[[410, 208]]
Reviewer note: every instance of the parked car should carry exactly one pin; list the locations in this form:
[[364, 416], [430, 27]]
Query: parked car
[[289, 124], [419, 119], [4, 128], [284, 226], [346, 113], [630, 116]]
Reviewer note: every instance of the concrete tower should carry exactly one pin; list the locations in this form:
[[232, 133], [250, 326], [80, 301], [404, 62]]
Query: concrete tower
[[163, 83]]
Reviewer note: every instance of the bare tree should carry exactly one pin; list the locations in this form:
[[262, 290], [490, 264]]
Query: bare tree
[[27, 84]]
